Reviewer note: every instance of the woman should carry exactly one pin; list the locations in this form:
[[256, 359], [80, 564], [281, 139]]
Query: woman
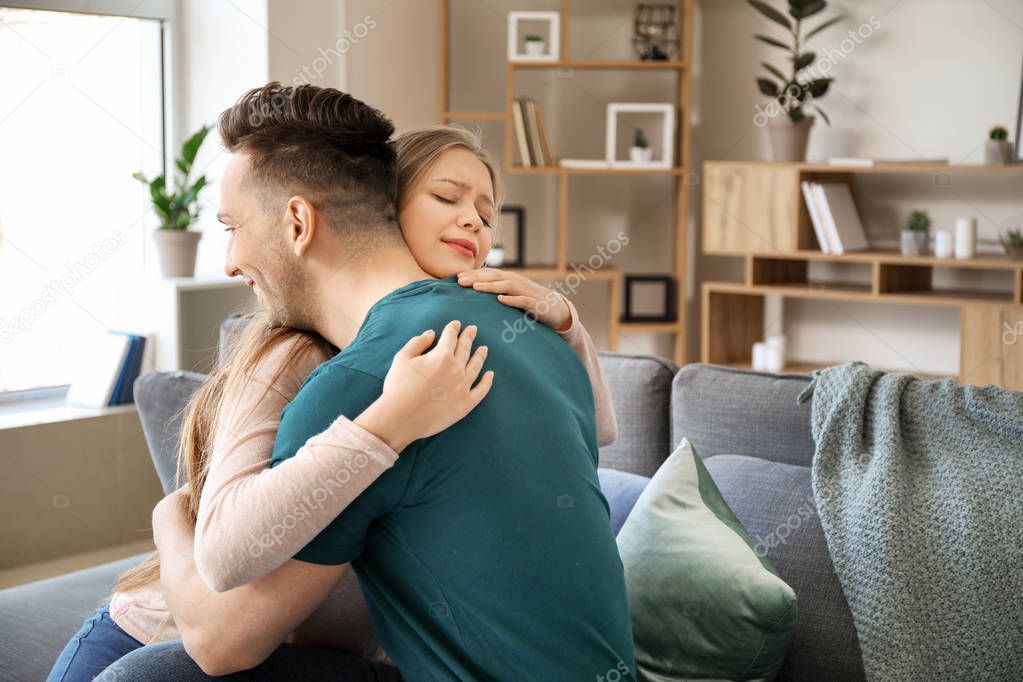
[[237, 503]]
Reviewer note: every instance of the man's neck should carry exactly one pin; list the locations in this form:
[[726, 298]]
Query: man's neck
[[348, 293]]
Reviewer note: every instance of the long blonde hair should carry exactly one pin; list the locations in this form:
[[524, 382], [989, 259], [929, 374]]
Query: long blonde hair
[[256, 336]]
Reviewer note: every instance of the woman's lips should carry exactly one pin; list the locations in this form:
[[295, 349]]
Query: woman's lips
[[461, 249]]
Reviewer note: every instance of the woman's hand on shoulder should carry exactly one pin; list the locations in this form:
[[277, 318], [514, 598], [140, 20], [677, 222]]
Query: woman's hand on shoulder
[[517, 291], [426, 391]]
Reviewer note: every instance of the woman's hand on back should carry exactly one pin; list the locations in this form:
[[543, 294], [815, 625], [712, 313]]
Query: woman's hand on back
[[426, 391], [520, 292]]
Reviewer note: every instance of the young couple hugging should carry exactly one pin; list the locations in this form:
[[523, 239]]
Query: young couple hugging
[[466, 501]]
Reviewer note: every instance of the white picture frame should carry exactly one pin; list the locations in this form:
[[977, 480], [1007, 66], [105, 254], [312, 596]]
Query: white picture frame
[[516, 37], [667, 136]]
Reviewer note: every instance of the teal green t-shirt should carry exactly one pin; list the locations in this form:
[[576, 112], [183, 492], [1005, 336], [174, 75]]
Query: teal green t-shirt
[[486, 551]]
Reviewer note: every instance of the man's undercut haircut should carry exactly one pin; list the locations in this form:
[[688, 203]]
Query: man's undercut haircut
[[325, 145]]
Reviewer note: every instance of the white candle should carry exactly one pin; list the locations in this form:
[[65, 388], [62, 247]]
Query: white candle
[[760, 356], [776, 353], [943, 244], [966, 238]]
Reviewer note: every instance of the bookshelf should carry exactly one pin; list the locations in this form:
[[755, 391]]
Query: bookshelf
[[755, 211], [562, 267]]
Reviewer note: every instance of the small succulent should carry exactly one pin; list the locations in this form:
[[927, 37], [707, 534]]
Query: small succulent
[[497, 245], [640, 139], [533, 38], [999, 133], [918, 221], [1013, 237]]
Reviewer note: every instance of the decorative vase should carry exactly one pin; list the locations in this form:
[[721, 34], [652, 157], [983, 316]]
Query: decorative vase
[[944, 244], [177, 250], [495, 258], [536, 48], [914, 242], [641, 154], [788, 139], [966, 238], [998, 153]]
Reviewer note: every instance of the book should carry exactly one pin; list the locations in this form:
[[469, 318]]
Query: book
[[520, 133], [533, 134], [860, 162], [98, 369], [815, 217], [124, 391], [840, 217], [586, 164], [544, 141]]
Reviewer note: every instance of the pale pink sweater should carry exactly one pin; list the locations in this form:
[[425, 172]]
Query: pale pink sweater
[[252, 519]]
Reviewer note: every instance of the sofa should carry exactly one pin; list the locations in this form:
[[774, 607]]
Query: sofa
[[754, 439]]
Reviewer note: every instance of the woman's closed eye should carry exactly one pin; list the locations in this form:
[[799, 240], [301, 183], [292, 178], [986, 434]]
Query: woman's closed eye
[[445, 200]]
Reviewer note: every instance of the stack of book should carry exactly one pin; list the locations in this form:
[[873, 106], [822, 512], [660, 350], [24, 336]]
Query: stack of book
[[534, 147], [835, 219], [107, 377]]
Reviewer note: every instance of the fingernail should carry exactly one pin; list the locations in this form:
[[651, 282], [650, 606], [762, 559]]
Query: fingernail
[[471, 328], [484, 350]]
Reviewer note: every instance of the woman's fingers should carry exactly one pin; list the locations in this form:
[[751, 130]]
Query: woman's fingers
[[417, 345], [464, 344], [475, 364], [480, 390], [448, 337], [520, 302], [502, 286]]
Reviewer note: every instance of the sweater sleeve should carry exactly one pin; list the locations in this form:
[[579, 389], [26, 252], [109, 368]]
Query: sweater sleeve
[[579, 339], [252, 519]]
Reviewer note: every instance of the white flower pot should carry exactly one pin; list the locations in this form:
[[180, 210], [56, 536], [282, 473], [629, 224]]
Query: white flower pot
[[177, 250], [536, 48], [641, 154], [998, 153], [788, 139], [914, 242]]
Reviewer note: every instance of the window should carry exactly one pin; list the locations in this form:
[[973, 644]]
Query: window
[[81, 109]]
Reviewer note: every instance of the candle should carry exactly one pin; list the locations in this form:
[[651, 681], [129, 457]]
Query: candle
[[966, 238], [943, 244]]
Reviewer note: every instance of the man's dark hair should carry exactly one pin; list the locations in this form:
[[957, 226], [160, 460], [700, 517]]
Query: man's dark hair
[[321, 143]]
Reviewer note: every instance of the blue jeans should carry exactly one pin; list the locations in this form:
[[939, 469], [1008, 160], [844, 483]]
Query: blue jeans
[[97, 644]]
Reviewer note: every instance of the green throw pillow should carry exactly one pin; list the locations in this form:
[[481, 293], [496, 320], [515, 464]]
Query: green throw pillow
[[704, 604]]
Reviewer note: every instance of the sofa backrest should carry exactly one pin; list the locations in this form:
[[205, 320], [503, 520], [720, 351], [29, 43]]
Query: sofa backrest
[[725, 411], [160, 398]]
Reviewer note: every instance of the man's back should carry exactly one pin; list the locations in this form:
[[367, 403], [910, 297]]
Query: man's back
[[486, 552]]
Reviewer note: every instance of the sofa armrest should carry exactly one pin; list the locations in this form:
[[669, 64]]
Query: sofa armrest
[[161, 398]]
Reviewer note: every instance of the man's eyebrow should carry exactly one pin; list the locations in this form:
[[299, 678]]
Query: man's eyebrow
[[223, 217], [463, 185]]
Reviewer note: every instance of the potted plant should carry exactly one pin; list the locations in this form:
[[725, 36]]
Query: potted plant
[[1012, 242], [640, 152], [495, 258], [914, 235], [178, 209], [536, 46], [792, 93], [998, 151]]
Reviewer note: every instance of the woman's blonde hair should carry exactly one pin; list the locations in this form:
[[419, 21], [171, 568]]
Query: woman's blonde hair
[[256, 335], [419, 149]]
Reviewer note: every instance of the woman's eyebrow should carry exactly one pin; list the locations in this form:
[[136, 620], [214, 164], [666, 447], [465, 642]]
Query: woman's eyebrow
[[463, 185]]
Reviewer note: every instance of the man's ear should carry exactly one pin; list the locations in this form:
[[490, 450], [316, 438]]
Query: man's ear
[[301, 216]]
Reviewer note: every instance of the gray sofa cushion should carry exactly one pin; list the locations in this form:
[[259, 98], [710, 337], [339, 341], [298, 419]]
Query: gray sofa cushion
[[621, 489], [775, 504], [730, 411], [160, 398], [37, 619], [641, 391]]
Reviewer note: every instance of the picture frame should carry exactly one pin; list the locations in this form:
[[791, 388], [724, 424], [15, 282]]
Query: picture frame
[[668, 312], [518, 258], [666, 138], [517, 48]]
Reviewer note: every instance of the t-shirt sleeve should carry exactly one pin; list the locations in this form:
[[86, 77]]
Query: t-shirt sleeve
[[333, 391]]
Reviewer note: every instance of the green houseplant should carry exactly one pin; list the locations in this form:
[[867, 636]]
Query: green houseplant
[[915, 237], [795, 87], [640, 152], [535, 45], [178, 209], [998, 150], [1012, 242]]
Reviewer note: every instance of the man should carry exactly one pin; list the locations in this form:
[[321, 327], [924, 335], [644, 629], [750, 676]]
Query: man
[[486, 551]]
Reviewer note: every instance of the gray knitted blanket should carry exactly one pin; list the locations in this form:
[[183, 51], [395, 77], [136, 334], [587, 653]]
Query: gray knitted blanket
[[919, 487]]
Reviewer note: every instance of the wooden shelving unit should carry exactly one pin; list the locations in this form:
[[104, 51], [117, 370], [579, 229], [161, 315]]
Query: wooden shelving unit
[[562, 267], [754, 210]]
